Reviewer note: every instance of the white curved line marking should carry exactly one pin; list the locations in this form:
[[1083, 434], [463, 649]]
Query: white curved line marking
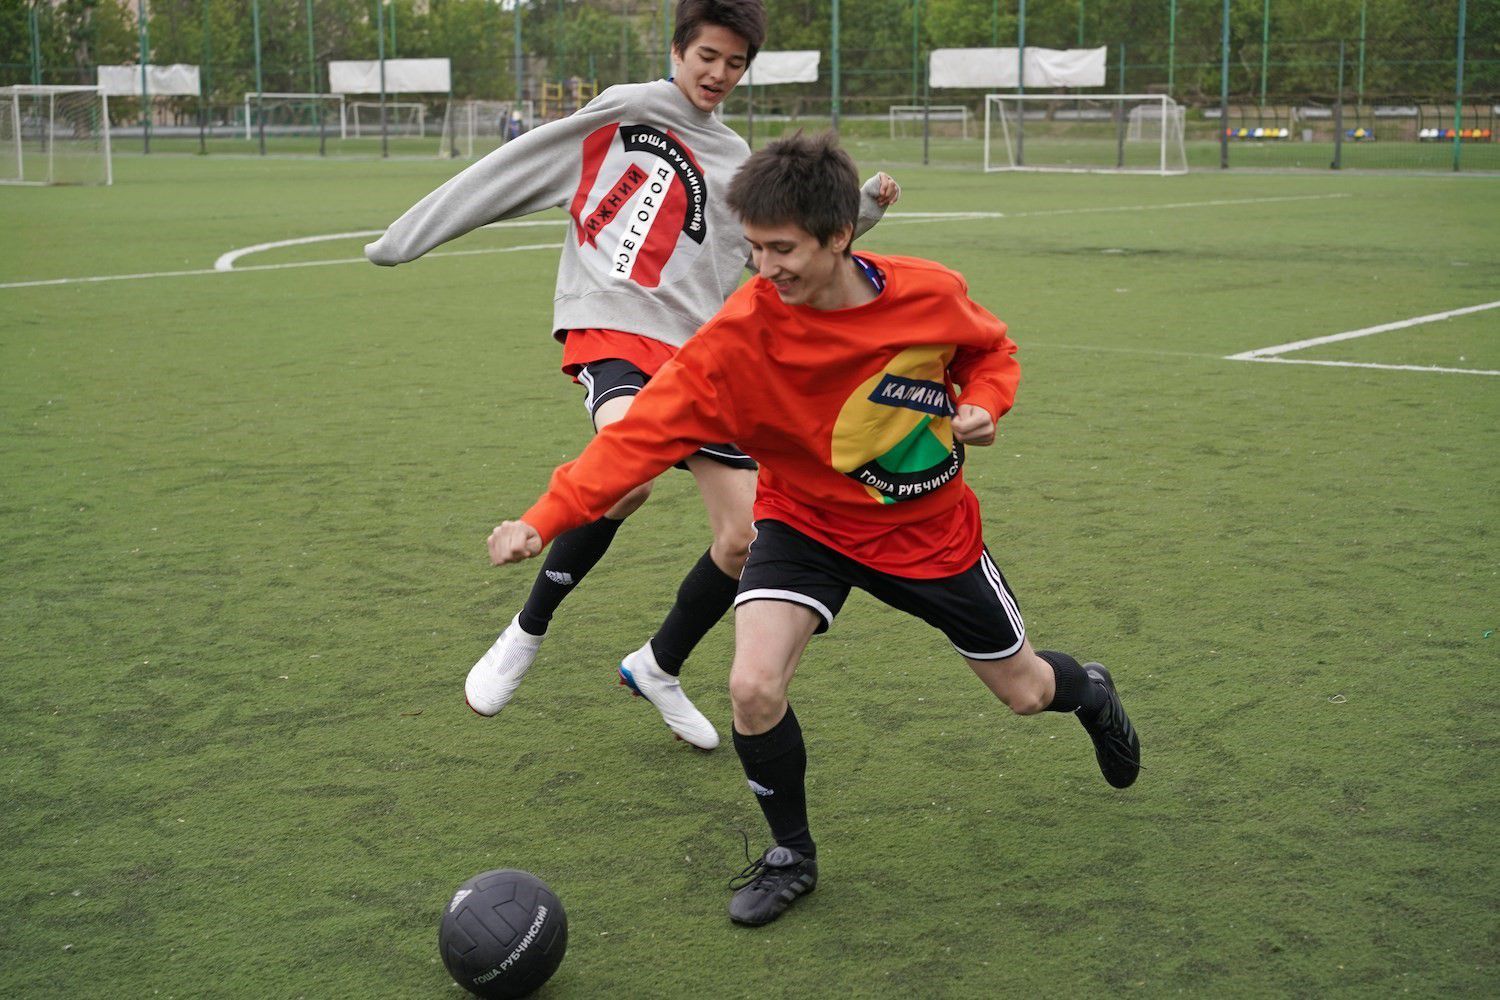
[[226, 260]]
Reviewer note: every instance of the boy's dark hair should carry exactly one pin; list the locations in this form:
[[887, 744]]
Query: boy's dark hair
[[807, 181], [746, 18]]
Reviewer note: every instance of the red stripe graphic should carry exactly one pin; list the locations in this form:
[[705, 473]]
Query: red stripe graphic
[[611, 204], [666, 230], [595, 148]]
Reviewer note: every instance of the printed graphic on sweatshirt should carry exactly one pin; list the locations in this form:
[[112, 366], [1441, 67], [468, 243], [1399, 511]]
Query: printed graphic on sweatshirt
[[641, 205], [894, 435]]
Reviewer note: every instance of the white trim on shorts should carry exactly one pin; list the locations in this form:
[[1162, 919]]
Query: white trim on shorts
[[590, 403], [992, 574], [790, 597]]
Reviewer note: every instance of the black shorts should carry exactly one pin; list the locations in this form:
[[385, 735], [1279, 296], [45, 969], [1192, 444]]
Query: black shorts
[[975, 609], [604, 380]]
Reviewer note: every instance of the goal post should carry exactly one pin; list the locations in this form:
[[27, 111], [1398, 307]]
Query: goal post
[[54, 135], [475, 127], [401, 118], [948, 120], [285, 111], [1107, 133]]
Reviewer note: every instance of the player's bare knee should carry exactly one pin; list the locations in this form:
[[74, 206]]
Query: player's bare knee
[[756, 698], [730, 549], [631, 502]]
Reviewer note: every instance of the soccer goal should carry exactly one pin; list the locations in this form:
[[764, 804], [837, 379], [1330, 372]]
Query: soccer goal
[[949, 121], [1115, 133], [54, 135], [295, 114], [401, 118], [474, 128]]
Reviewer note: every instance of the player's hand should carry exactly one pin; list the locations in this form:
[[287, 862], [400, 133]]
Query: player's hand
[[513, 541], [890, 191], [973, 425]]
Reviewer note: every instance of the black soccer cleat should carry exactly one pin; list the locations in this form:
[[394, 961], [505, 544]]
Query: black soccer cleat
[[1116, 745], [770, 884]]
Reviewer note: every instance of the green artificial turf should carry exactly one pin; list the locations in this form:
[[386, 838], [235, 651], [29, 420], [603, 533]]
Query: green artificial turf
[[242, 520]]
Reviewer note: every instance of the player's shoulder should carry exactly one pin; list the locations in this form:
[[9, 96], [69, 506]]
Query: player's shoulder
[[921, 273], [624, 95]]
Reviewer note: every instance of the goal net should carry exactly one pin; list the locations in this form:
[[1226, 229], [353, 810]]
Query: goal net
[[945, 121], [401, 118], [288, 114], [1149, 121], [54, 135], [474, 128], [1093, 132]]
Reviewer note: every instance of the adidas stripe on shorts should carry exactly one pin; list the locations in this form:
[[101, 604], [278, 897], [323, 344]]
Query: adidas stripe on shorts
[[975, 609]]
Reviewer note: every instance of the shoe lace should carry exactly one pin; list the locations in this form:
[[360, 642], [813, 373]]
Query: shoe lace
[[753, 869]]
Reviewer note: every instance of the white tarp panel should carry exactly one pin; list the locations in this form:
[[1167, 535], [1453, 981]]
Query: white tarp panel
[[161, 81], [799, 66], [402, 76], [1045, 68]]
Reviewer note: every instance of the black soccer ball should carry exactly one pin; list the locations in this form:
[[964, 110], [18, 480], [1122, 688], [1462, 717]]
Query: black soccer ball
[[503, 934]]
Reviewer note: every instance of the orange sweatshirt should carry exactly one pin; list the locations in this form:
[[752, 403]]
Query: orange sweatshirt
[[848, 412]]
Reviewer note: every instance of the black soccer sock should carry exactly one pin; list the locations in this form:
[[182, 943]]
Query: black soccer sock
[[706, 593], [572, 555], [1074, 688], [776, 764]]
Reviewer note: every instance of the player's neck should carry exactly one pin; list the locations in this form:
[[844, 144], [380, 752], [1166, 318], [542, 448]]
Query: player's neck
[[849, 288]]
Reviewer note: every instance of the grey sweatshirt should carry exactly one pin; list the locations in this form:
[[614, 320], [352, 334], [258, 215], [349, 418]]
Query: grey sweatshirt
[[652, 247]]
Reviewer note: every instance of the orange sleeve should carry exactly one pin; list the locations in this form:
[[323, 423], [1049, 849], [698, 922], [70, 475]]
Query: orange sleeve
[[683, 406], [989, 375]]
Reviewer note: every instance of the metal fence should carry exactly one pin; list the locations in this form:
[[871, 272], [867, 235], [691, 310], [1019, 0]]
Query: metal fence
[[1373, 94]]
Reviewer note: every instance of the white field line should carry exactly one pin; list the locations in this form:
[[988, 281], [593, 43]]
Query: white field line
[[914, 217], [267, 267], [226, 261], [1274, 354]]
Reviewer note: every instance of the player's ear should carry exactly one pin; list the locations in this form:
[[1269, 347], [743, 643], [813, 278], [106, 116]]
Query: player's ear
[[841, 238]]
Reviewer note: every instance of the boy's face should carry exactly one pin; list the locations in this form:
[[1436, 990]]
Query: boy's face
[[804, 271], [711, 64]]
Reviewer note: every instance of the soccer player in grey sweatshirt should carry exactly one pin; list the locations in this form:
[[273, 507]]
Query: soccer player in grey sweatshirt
[[652, 252]]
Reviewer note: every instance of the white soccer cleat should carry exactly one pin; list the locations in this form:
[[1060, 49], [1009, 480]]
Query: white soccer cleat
[[639, 672], [498, 673]]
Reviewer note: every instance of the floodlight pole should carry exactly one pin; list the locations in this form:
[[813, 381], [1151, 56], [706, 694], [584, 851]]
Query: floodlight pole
[[34, 29], [1265, 46], [1171, 46], [1224, 92], [142, 17], [1363, 9], [312, 54], [385, 143], [666, 32], [203, 84], [1080, 22], [916, 19], [312, 82], [1458, 90], [260, 117], [834, 82], [518, 56], [1021, 85]]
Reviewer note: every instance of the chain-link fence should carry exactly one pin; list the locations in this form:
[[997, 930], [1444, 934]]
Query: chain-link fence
[[1378, 84]]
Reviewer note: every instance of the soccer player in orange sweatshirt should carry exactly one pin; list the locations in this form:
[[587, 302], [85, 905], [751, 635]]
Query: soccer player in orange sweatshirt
[[856, 381]]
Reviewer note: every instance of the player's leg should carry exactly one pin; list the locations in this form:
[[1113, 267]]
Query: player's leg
[[979, 614], [706, 593], [492, 681], [790, 590], [726, 479]]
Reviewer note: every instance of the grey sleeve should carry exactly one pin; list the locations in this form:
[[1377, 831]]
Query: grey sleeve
[[534, 171], [870, 210]]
